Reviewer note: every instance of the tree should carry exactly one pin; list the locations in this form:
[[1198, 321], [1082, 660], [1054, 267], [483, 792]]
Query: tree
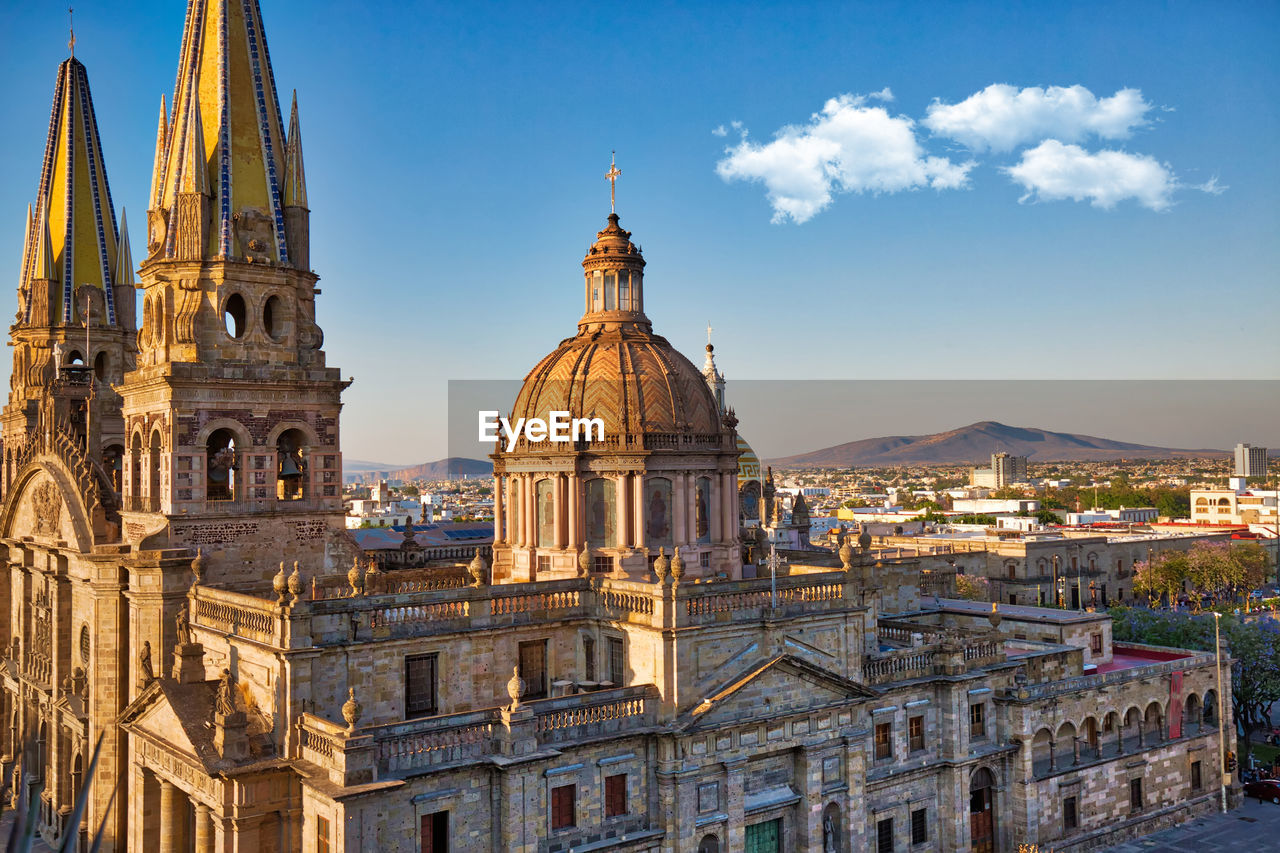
[[409, 490], [973, 587], [1047, 516], [1161, 576]]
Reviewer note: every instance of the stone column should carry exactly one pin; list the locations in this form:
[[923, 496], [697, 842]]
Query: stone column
[[679, 504], [638, 493], [729, 504], [716, 507], [499, 535], [1119, 737], [204, 830], [1053, 756], [560, 512], [530, 515], [574, 502], [1075, 750], [621, 484], [172, 802]]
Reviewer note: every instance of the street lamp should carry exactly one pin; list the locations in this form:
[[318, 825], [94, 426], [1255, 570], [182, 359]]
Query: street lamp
[[1222, 737]]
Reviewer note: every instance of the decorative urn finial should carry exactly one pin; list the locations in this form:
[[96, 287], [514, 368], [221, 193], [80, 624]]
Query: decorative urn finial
[[994, 618], [279, 584], [846, 553], [477, 568], [584, 561], [515, 687], [197, 567], [677, 566], [351, 710], [355, 578], [662, 565], [295, 582]]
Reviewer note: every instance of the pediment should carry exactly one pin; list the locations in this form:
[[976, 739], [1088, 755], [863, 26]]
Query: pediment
[[161, 715], [772, 688]]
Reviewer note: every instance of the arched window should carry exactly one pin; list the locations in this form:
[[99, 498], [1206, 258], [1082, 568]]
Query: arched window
[[602, 513], [291, 466], [234, 314], [709, 844], [153, 473], [545, 498], [1211, 707], [657, 513], [624, 291], [702, 509], [610, 288], [135, 469], [100, 366], [221, 465]]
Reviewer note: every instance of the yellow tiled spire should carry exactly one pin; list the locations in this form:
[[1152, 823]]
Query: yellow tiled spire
[[124, 257], [157, 171], [72, 240], [225, 84], [26, 247]]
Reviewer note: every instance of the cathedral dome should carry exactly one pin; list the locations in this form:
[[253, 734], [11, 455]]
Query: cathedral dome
[[616, 368], [633, 380]]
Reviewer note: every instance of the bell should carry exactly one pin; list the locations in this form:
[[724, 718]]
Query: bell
[[289, 468]]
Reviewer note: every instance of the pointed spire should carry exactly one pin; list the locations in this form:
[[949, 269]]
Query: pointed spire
[[157, 171], [295, 179], [193, 174], [123, 273], [27, 248], [44, 266]]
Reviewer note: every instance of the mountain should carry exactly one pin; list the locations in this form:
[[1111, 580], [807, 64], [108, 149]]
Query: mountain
[[974, 444], [452, 468], [355, 466]]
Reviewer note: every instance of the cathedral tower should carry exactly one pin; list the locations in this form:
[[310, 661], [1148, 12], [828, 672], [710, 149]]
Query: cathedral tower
[[73, 336], [231, 416]]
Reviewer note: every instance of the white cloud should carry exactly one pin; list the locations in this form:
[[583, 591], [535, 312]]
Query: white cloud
[[1053, 171], [848, 147], [1212, 187], [719, 130], [1002, 117]]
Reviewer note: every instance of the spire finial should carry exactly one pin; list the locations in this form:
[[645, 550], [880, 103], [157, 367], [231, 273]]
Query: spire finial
[[612, 175], [709, 331], [71, 18]]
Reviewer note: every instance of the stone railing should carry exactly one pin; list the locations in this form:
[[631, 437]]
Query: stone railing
[[901, 631], [1084, 683], [726, 600], [320, 741], [408, 614], [931, 659], [628, 600], [415, 745], [237, 614], [899, 666], [572, 719]]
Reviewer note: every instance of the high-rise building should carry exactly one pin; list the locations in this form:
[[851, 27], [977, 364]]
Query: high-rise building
[[1251, 461], [1005, 470]]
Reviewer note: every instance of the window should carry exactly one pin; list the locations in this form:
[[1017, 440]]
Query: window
[[562, 802], [610, 287], [624, 291], [434, 833], [915, 733], [1196, 780], [708, 797], [420, 686], [884, 835], [544, 563], [884, 740], [1013, 598], [1013, 572], [977, 721], [1135, 795], [919, 826], [601, 564], [589, 657], [322, 835], [704, 559], [617, 663], [615, 795], [533, 669], [1070, 817], [1095, 643]]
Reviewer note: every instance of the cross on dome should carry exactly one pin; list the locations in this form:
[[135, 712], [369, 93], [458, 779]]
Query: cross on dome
[[612, 175]]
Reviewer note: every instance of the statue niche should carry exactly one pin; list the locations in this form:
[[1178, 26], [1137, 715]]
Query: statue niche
[[254, 234]]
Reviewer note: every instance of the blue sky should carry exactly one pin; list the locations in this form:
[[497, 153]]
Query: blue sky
[[456, 153]]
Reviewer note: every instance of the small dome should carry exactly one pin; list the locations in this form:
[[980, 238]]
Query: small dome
[[748, 463]]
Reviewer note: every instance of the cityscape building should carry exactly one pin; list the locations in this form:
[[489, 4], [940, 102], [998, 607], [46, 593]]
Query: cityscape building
[[1250, 461], [1005, 470], [612, 679]]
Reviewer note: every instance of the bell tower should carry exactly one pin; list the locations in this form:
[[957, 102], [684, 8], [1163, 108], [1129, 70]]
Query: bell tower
[[73, 336], [231, 416]]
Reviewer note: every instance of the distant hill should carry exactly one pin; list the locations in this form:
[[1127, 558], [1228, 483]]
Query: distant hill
[[452, 468], [974, 444]]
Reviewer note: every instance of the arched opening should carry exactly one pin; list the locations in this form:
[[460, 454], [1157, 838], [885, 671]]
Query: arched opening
[[544, 493], [657, 513], [113, 461], [709, 844], [153, 472], [1041, 748], [702, 509], [602, 513], [1193, 709], [135, 471], [1153, 722], [982, 811], [1066, 745], [291, 466], [832, 829], [1091, 732], [1211, 707], [233, 315], [77, 777], [222, 466], [273, 318], [100, 365]]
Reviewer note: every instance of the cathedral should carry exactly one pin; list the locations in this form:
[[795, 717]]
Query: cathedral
[[181, 594]]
